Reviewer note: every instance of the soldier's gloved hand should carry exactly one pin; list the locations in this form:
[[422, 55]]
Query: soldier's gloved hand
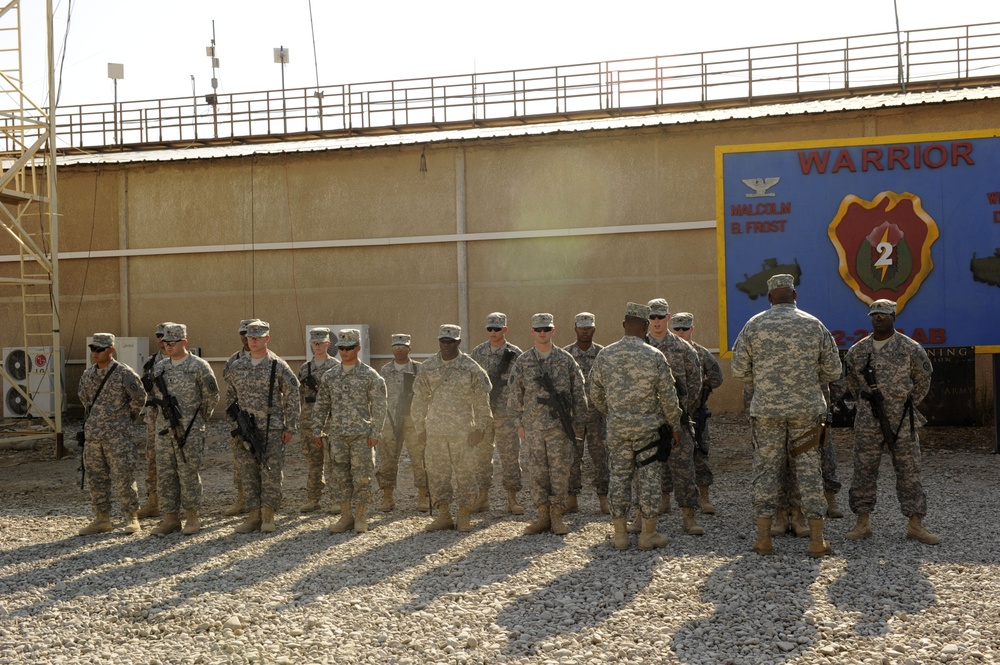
[[475, 437]]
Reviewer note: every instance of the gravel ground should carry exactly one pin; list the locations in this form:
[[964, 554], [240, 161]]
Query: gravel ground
[[399, 595]]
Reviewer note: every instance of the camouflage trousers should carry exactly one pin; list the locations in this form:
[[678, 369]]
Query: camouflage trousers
[[352, 465], [262, 485], [179, 483], [111, 462], [548, 458], [905, 457], [235, 444], [678, 472], [389, 450], [446, 456], [702, 470], [593, 438], [772, 440], [313, 454], [622, 469], [789, 495], [501, 435], [150, 456]]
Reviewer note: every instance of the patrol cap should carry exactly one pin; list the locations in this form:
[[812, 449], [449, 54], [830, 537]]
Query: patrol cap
[[349, 338], [101, 341], [258, 328], [400, 339], [174, 332], [584, 320], [637, 311], [542, 320], [682, 320], [319, 335], [882, 306], [658, 306], [161, 327], [450, 331], [782, 281], [243, 325], [496, 320]]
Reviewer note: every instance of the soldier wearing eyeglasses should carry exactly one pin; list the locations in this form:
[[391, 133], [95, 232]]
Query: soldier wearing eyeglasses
[[310, 374]]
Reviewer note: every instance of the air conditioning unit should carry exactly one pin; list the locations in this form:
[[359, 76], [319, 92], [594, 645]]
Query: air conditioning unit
[[33, 373], [366, 351]]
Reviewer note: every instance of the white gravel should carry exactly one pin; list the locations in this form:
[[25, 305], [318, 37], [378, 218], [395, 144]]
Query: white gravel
[[399, 595]]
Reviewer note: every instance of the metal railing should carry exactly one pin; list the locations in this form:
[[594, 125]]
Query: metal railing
[[926, 59]]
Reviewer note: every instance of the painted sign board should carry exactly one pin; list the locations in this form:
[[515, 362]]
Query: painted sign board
[[915, 219]]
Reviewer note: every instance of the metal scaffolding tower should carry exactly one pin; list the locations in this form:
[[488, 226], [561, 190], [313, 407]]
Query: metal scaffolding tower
[[32, 374]]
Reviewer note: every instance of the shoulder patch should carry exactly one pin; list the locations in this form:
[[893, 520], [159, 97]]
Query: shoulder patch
[[133, 386]]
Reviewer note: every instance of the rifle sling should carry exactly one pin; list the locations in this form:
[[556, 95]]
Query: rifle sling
[[270, 397]]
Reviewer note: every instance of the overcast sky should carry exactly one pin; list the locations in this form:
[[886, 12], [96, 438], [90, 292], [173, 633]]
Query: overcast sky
[[162, 44]]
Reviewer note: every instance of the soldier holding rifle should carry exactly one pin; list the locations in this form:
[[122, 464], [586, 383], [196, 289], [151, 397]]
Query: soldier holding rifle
[[310, 374], [400, 374]]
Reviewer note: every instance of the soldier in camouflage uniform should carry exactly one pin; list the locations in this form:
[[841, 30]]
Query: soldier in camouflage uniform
[[190, 381], [682, 325], [549, 448], [451, 413], [350, 412], [686, 368], [901, 372], [502, 434], [631, 384], [152, 506], [789, 356], [310, 374], [238, 506], [109, 454], [400, 374], [248, 384], [584, 350]]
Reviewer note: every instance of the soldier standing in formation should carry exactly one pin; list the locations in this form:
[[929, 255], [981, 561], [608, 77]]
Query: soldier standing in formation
[[548, 401], [152, 507], [113, 397], [451, 414], [891, 374], [310, 374], [185, 381], [632, 386], [262, 385], [496, 356], [238, 506], [349, 415], [682, 325], [788, 355], [584, 350], [400, 373], [686, 369]]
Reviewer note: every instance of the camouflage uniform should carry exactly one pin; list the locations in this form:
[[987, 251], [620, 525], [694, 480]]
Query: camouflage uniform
[[711, 375], [788, 355], [549, 452], [451, 399], [593, 429], [903, 372], [350, 409], [248, 385], [150, 420], [388, 447], [307, 436], [192, 382], [631, 384], [109, 455], [502, 431], [235, 444]]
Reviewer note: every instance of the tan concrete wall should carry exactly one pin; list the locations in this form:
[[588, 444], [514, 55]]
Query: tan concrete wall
[[651, 175]]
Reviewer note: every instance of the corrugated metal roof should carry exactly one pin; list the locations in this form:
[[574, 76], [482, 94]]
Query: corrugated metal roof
[[856, 103]]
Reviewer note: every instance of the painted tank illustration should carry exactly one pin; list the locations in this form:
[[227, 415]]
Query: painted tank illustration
[[756, 285], [986, 269]]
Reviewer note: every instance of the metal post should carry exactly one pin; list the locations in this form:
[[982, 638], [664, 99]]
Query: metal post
[[996, 402]]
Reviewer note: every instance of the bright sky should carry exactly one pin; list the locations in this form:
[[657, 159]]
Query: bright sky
[[162, 44]]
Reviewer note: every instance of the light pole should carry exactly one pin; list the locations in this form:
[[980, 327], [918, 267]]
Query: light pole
[[281, 57], [213, 98], [116, 71]]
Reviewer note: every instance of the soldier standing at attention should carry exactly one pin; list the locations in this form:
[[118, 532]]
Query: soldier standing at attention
[[310, 374], [451, 413], [238, 506], [263, 385], [632, 386], [891, 374], [113, 397], [686, 368], [496, 357], [190, 385], [349, 415], [548, 400], [584, 350], [152, 507], [789, 356], [682, 325], [400, 373]]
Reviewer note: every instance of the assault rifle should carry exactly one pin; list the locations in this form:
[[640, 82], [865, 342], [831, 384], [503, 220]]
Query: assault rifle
[[701, 416], [312, 384], [509, 356], [403, 406], [661, 446], [246, 430], [877, 402], [171, 410], [558, 405]]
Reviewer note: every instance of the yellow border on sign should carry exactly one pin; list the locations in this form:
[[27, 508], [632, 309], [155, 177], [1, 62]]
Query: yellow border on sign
[[720, 209]]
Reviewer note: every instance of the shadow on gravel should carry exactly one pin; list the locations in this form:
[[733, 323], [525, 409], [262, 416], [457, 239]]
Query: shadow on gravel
[[759, 617], [877, 588]]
